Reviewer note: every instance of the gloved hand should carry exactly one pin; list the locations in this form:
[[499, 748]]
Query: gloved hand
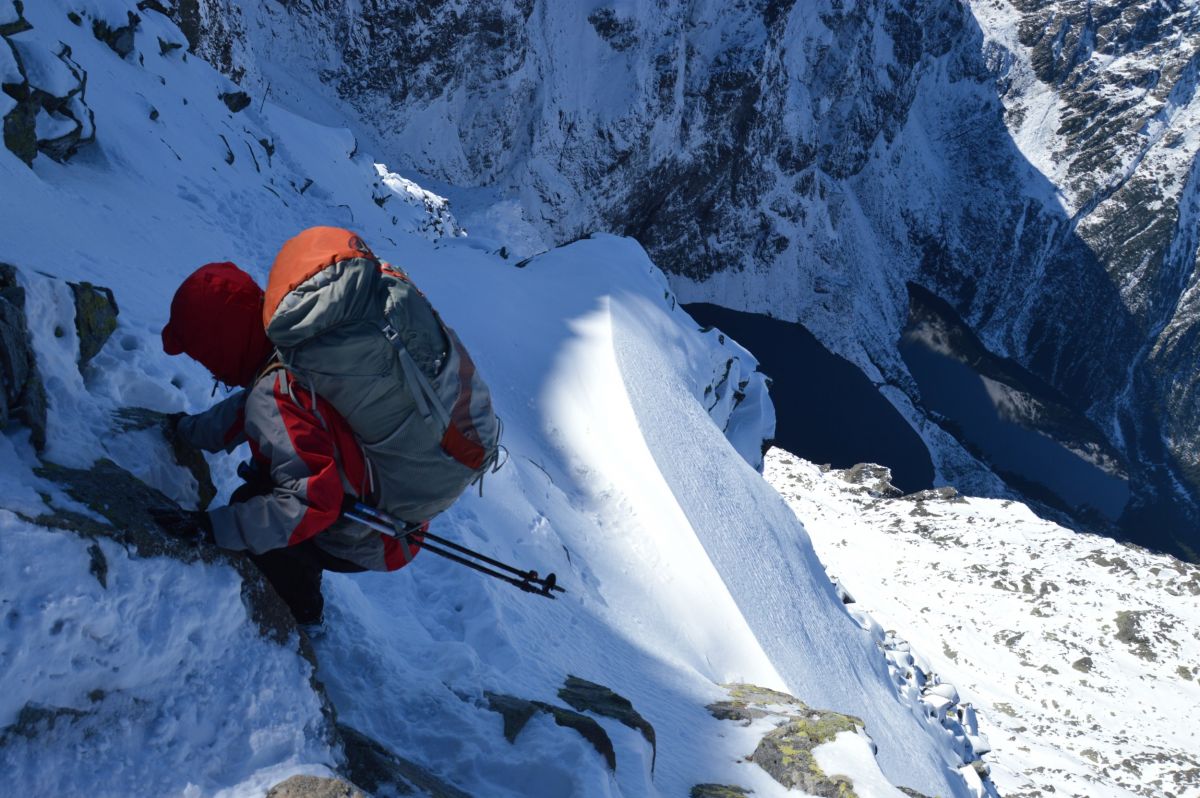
[[170, 427], [189, 526]]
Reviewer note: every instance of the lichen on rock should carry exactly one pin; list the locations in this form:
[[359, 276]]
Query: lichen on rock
[[96, 314], [785, 753]]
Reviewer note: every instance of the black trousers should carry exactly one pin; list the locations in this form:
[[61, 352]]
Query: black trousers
[[295, 573]]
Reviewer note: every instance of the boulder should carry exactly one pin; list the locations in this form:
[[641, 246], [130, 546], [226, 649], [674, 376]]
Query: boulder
[[518, 711], [96, 314], [383, 772], [718, 791], [785, 753], [235, 101], [314, 787], [586, 696], [120, 39], [47, 94], [876, 479]]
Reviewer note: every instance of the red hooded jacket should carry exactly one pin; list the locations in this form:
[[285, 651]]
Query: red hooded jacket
[[308, 450]]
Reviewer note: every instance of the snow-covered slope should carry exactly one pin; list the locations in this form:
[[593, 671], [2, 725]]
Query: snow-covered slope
[[1079, 652], [632, 439], [1032, 163]]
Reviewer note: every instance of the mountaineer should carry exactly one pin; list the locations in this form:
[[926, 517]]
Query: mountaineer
[[353, 390]]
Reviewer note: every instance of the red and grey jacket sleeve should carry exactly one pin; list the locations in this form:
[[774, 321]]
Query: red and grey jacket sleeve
[[289, 439], [219, 428]]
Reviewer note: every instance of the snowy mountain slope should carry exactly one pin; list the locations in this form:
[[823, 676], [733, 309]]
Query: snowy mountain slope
[[684, 569], [1079, 652], [806, 160]]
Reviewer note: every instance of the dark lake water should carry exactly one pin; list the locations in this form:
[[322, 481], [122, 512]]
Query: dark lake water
[[828, 411], [1031, 461]]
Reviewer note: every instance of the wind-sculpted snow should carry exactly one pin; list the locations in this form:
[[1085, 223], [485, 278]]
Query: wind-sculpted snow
[[633, 441], [1080, 653], [1034, 164]]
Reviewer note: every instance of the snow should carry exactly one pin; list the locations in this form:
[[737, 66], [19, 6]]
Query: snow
[[1024, 620], [43, 68], [113, 690], [850, 753], [632, 475]]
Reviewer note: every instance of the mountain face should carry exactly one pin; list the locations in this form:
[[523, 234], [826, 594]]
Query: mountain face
[[1034, 164], [698, 631]]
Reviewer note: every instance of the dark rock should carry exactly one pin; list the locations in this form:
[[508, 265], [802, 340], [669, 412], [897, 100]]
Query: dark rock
[[911, 793], [382, 772], [20, 25], [98, 564], [126, 502], [235, 101], [735, 710], [588, 696], [1083, 664], [20, 124], [518, 711], [165, 8], [619, 33], [786, 752], [131, 419], [718, 791], [22, 394], [945, 493], [35, 720], [165, 47], [1130, 631], [876, 479], [121, 39], [314, 787], [96, 314]]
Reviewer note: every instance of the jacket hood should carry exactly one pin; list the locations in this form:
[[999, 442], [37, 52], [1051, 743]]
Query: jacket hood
[[216, 319]]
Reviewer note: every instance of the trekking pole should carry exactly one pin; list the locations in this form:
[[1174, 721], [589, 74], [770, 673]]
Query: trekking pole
[[380, 521]]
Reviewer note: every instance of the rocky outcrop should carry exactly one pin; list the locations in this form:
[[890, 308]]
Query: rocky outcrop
[[132, 419], [786, 752], [518, 711], [22, 395], [586, 696], [718, 791], [314, 787], [45, 96], [129, 506], [96, 314], [119, 38], [382, 771]]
